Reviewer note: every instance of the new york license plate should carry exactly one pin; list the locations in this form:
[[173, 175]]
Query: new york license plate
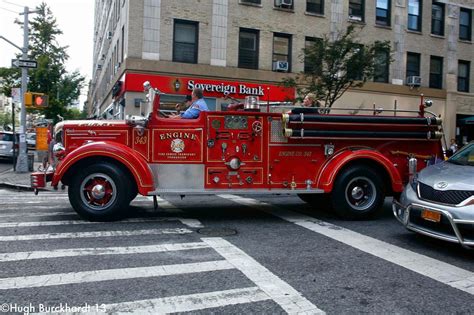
[[430, 215]]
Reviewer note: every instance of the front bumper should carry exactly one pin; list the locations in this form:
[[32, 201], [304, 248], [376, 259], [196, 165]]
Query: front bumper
[[39, 179], [451, 227]]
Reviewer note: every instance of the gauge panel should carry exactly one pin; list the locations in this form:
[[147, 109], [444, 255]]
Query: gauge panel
[[236, 122]]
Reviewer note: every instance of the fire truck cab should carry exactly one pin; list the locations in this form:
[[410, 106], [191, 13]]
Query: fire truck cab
[[350, 162]]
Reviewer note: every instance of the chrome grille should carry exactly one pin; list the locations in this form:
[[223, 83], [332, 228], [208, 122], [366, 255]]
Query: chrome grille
[[450, 197]]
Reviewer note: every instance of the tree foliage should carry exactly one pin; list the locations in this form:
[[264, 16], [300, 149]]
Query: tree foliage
[[51, 76], [334, 66]]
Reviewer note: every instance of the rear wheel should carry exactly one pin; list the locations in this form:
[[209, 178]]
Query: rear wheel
[[358, 193], [99, 193]]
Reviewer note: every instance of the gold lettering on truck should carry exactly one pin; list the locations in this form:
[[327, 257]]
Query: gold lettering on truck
[[141, 139], [177, 135]]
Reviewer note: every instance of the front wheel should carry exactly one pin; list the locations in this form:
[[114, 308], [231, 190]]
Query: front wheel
[[358, 193], [98, 193]]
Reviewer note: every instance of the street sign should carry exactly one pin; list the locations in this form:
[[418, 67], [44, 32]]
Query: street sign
[[22, 63], [16, 95]]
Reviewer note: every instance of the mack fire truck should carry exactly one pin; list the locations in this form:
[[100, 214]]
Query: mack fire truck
[[347, 162]]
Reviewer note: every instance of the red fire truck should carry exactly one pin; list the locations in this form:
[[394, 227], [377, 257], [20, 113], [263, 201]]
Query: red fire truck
[[350, 162]]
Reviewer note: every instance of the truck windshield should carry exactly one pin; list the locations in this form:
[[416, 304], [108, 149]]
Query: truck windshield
[[465, 156]]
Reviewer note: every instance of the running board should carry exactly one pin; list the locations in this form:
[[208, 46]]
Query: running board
[[233, 191]]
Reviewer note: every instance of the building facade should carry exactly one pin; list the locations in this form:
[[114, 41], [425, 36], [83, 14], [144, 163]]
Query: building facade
[[247, 47]]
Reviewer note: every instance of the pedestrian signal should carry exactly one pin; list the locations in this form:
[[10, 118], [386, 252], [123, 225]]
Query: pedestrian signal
[[36, 100]]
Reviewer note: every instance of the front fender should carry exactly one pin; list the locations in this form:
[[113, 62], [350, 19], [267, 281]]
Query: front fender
[[332, 167], [135, 163]]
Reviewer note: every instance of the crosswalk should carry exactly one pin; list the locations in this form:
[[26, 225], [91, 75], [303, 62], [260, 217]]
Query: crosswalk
[[40, 250]]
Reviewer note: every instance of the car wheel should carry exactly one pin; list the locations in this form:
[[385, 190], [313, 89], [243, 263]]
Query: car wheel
[[99, 193], [358, 193]]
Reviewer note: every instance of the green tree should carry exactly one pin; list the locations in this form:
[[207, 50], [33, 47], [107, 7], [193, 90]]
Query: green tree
[[10, 77], [51, 76], [334, 66], [6, 120]]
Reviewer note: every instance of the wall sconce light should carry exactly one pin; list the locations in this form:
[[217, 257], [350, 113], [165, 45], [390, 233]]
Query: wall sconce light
[[177, 85]]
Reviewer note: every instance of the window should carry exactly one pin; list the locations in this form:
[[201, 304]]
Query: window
[[436, 72], [248, 48], [315, 6], [356, 10], [413, 64], [282, 49], [353, 71], [465, 24], [437, 19], [287, 4], [463, 76], [381, 66], [383, 12], [185, 42], [251, 1], [311, 64], [414, 12]]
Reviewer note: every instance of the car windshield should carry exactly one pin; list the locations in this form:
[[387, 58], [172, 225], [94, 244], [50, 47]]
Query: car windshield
[[465, 156], [6, 136]]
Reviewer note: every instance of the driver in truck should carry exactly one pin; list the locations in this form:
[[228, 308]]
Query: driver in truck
[[197, 106]]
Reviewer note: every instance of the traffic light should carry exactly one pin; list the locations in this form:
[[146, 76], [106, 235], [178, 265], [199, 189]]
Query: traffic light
[[36, 100]]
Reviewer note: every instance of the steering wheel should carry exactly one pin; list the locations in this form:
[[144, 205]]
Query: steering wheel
[[257, 127]]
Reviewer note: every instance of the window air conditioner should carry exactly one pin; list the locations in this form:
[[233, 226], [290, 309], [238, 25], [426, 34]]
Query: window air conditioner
[[414, 80], [355, 17], [279, 3], [280, 66]]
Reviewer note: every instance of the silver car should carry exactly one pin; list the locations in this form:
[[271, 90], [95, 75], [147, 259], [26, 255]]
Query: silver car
[[439, 201], [6, 144]]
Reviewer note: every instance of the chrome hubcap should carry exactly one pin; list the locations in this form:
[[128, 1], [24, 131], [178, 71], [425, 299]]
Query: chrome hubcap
[[357, 193], [98, 191], [361, 193]]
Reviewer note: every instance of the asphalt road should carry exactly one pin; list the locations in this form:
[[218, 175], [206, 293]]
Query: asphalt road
[[223, 254]]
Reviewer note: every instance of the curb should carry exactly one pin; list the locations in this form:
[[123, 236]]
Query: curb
[[16, 187]]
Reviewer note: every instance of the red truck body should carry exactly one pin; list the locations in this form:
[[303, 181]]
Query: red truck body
[[350, 161]]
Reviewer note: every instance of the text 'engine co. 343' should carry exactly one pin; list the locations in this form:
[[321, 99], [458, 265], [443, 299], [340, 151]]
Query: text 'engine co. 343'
[[350, 162]]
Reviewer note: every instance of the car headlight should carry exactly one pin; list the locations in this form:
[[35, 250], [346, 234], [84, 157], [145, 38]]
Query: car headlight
[[414, 183]]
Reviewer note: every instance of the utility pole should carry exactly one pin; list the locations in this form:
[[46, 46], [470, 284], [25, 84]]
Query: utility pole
[[22, 161]]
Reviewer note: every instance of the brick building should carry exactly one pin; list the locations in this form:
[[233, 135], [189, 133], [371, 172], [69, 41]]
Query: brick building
[[249, 46]]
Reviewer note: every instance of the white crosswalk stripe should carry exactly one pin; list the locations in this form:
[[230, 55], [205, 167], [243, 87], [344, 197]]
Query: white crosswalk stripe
[[440, 271], [98, 251], [111, 274], [189, 303], [50, 236], [189, 222]]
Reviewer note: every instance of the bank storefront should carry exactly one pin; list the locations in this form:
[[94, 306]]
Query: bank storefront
[[128, 92]]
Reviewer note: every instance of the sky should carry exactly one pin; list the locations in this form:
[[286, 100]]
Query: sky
[[74, 17]]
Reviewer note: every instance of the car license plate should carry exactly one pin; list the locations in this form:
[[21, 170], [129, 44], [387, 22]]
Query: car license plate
[[432, 216]]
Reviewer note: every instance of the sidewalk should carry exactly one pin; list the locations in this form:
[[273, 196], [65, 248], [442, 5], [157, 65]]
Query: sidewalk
[[19, 181]]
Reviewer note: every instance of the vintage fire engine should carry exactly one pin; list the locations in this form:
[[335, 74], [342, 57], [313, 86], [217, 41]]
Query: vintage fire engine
[[350, 162]]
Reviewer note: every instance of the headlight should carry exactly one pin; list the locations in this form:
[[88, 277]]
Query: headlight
[[58, 150]]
